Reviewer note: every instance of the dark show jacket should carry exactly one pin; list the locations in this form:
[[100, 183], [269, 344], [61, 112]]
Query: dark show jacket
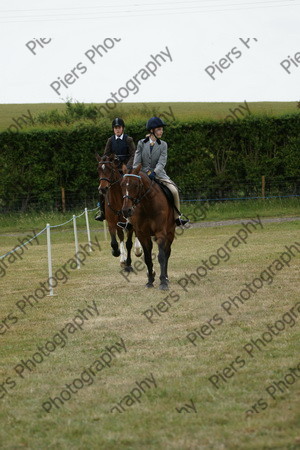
[[125, 151]]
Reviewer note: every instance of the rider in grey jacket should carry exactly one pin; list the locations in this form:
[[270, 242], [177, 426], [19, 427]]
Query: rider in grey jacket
[[152, 154]]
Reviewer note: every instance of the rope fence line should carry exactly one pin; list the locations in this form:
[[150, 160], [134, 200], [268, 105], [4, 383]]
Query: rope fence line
[[48, 236], [86, 211], [61, 224], [23, 245]]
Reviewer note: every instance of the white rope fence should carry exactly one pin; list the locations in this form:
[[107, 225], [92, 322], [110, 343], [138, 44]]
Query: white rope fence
[[48, 233]]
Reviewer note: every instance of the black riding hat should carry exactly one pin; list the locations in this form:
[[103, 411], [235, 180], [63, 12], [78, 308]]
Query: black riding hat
[[117, 122], [155, 122]]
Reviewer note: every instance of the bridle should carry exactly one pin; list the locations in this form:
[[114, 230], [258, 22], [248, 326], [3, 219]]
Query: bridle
[[111, 183], [136, 201]]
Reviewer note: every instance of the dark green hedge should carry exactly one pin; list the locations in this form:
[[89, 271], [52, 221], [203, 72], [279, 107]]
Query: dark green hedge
[[206, 158]]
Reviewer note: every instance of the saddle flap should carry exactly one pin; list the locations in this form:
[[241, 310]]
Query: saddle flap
[[166, 191]]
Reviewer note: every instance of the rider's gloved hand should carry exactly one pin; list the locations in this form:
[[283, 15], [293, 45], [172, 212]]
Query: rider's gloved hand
[[152, 175]]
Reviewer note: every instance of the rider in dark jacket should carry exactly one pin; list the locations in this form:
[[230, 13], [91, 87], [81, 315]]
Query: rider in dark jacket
[[123, 147]]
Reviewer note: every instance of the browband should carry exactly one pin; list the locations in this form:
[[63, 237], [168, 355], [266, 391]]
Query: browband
[[131, 175]]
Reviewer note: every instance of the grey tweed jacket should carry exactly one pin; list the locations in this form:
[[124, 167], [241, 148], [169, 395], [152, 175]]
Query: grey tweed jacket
[[152, 160]]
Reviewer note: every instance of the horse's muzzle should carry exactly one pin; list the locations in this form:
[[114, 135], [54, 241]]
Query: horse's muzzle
[[127, 212], [103, 190]]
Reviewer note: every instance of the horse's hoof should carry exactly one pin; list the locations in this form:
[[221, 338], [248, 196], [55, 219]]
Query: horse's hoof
[[128, 269], [116, 253], [139, 254], [149, 285], [163, 287], [123, 264]]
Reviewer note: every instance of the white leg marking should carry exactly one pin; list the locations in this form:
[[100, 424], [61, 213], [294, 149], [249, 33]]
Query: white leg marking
[[123, 251], [138, 250]]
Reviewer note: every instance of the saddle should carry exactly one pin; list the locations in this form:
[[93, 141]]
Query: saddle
[[167, 193]]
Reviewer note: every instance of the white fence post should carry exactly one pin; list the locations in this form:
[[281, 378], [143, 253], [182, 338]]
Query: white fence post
[[76, 239], [88, 228], [49, 259], [105, 230]]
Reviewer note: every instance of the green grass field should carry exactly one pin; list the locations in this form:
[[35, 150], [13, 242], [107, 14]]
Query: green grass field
[[197, 211], [216, 418], [181, 110]]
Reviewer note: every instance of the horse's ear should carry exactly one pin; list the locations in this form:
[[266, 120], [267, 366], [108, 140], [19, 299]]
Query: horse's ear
[[137, 169], [112, 157], [124, 168], [98, 157]]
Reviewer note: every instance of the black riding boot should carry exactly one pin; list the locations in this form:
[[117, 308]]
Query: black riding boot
[[181, 222]]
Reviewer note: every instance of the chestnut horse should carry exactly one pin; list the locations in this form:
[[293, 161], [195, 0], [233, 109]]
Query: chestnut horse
[[110, 177], [151, 215]]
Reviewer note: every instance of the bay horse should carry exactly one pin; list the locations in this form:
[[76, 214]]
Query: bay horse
[[110, 177], [151, 215]]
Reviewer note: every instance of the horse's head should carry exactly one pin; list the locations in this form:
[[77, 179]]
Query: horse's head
[[132, 187], [108, 171]]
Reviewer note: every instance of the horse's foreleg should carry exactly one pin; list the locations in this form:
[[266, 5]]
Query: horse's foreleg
[[114, 243], [147, 247], [123, 253], [128, 267], [168, 254], [163, 259], [137, 248]]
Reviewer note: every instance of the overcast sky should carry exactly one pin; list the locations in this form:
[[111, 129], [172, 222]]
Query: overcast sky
[[214, 50]]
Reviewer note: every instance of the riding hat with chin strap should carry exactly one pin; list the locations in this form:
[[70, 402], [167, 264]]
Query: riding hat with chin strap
[[154, 122]]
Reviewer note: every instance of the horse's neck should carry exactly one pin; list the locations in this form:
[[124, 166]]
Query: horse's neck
[[114, 196], [146, 184]]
